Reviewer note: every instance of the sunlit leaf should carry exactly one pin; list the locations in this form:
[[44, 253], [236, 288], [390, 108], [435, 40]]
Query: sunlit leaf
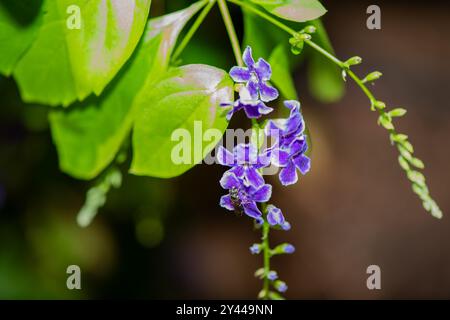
[[294, 10], [19, 23], [89, 134], [65, 64], [186, 100]]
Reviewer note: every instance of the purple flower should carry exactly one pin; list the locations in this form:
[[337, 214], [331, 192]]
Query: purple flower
[[288, 151], [255, 248], [255, 76], [244, 162], [281, 286], [287, 130], [242, 197], [275, 217], [272, 275], [253, 107], [288, 248]]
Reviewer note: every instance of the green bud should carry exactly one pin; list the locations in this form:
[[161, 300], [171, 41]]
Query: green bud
[[372, 76], [405, 153], [262, 294], [407, 145], [417, 163], [275, 296], [403, 163], [297, 46], [259, 273], [380, 105], [416, 177], [385, 121], [398, 112], [398, 137], [353, 61], [344, 75], [309, 29]]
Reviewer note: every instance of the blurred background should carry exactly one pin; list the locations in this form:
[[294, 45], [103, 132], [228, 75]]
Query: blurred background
[[170, 239]]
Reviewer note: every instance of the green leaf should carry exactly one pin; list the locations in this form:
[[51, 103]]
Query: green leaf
[[261, 36], [281, 76], [65, 64], [19, 23], [294, 10], [88, 135], [324, 78], [182, 105]]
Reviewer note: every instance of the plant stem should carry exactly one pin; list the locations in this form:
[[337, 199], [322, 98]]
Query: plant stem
[[428, 203], [231, 31], [266, 253], [193, 29]]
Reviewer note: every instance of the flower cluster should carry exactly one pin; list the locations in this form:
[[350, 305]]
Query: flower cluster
[[244, 179]]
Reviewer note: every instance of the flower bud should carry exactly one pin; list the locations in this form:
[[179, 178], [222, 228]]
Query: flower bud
[[281, 286], [372, 77], [309, 29], [353, 61], [255, 248], [272, 275]]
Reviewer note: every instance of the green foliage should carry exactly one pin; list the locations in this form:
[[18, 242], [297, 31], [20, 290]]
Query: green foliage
[[181, 97], [19, 23], [324, 78], [293, 10], [63, 64], [89, 134], [281, 75]]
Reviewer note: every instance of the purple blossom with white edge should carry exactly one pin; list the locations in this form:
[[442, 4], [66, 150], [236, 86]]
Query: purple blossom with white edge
[[272, 275], [275, 217], [255, 77], [289, 248], [253, 107], [243, 198], [255, 248], [281, 286], [244, 162], [288, 152]]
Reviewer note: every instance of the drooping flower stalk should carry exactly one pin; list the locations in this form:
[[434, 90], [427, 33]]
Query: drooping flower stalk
[[244, 181]]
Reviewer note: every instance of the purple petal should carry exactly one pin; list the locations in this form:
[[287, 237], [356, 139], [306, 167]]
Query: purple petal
[[252, 88], [262, 194], [274, 216], [245, 153], [288, 175], [252, 111], [279, 157], [225, 202], [286, 226], [251, 209], [254, 177], [294, 124], [271, 129], [263, 109], [303, 163], [263, 70], [238, 171], [225, 157], [298, 146], [267, 92], [229, 180], [248, 58], [293, 105], [239, 74]]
